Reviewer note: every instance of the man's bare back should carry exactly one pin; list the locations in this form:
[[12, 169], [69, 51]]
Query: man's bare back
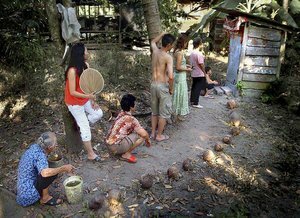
[[160, 60]]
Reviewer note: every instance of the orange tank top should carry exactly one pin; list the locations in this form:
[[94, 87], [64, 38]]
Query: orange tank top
[[72, 100]]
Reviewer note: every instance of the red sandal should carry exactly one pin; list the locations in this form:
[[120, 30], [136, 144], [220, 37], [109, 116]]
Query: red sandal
[[131, 159]]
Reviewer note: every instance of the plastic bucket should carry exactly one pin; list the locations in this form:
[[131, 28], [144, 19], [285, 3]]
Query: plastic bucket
[[73, 188]]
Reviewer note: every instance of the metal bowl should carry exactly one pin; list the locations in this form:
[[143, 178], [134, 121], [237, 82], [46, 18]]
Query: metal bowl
[[55, 160]]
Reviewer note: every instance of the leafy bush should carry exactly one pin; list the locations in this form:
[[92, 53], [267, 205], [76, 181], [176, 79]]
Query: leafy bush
[[119, 66], [21, 51]]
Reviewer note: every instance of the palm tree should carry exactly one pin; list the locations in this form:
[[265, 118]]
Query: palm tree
[[152, 17]]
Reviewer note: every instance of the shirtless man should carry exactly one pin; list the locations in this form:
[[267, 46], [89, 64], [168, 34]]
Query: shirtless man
[[162, 85]]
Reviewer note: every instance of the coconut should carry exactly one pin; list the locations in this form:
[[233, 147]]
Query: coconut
[[208, 155], [235, 131], [227, 139], [235, 118], [173, 172], [231, 104], [114, 196], [218, 147], [146, 181], [187, 165], [96, 202]]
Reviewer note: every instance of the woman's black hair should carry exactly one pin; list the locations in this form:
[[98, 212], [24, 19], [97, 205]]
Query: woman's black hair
[[77, 59], [127, 102]]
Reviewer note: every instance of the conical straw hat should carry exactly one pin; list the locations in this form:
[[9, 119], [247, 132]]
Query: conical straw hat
[[91, 81]]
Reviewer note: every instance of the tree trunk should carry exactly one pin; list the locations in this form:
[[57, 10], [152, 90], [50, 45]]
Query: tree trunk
[[53, 21], [151, 13], [73, 139]]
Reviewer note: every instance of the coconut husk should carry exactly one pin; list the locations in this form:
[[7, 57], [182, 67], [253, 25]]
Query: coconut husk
[[231, 104], [208, 156], [218, 147], [146, 181], [173, 172], [227, 139], [187, 165], [96, 202], [235, 131], [235, 118], [114, 196]]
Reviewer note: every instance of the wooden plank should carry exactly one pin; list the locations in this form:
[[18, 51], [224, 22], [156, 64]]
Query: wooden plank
[[263, 61], [265, 33], [256, 42], [262, 51], [259, 77], [243, 53], [252, 93], [235, 48], [255, 85], [260, 70]]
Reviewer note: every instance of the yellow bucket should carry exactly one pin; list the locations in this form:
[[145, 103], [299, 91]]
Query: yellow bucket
[[73, 188]]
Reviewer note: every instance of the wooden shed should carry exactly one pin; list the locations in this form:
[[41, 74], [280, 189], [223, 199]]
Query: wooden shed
[[255, 52]]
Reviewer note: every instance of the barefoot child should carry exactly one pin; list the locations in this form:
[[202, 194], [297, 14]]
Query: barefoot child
[[210, 84]]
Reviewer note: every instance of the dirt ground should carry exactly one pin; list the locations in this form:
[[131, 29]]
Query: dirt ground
[[256, 175]]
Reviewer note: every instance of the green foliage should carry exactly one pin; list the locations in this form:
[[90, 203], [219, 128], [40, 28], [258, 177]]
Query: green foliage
[[19, 22], [236, 210], [266, 98], [21, 52], [249, 6], [169, 12], [295, 6], [276, 89], [117, 65], [240, 87], [292, 55]]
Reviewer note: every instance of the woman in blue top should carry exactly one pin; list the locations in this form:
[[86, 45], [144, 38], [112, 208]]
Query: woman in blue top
[[180, 96], [34, 174]]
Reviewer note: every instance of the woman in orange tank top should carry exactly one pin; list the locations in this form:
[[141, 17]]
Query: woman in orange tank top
[[78, 103]]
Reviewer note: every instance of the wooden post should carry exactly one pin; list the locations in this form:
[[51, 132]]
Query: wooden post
[[285, 5], [120, 30], [243, 52]]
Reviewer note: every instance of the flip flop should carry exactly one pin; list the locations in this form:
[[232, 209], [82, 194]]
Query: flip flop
[[165, 138], [131, 159], [53, 202], [96, 159]]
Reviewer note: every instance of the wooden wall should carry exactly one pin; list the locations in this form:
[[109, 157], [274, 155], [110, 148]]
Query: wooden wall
[[259, 63]]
